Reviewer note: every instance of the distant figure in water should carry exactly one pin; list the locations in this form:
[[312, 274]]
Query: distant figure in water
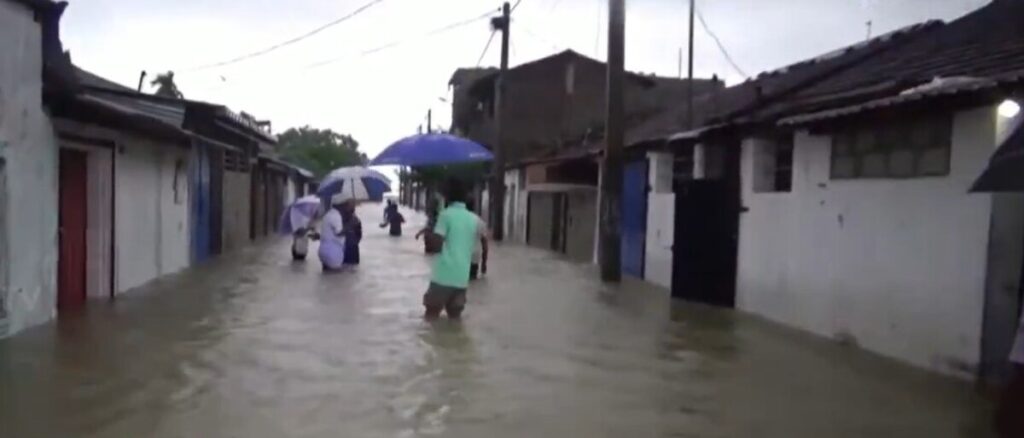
[[332, 240], [430, 246], [393, 218], [352, 229]]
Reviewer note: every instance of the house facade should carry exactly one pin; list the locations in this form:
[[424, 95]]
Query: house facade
[[893, 254], [834, 196], [28, 168]]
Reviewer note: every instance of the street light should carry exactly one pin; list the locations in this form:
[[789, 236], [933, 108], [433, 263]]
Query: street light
[[1009, 109]]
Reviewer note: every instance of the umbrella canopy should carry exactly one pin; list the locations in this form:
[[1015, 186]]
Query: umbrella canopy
[[353, 183], [432, 149], [298, 215], [1005, 171]]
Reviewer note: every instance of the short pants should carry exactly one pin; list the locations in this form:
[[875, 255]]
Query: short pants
[[439, 296]]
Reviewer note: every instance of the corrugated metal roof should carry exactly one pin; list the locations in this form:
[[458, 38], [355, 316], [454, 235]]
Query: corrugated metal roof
[[168, 111]]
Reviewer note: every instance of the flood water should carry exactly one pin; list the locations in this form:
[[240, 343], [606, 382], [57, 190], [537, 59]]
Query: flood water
[[254, 345]]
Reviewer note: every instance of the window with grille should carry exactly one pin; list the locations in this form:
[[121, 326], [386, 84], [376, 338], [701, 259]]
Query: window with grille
[[913, 148]]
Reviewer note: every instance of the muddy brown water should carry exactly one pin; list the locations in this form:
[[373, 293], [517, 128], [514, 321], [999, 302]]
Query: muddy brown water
[[254, 345]]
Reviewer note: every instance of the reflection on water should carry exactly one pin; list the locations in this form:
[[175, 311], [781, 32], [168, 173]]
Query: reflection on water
[[257, 346]]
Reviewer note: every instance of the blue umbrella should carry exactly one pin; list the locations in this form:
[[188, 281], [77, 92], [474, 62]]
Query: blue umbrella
[[355, 183], [431, 149]]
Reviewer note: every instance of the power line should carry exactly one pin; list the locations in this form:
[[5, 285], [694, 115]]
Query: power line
[[390, 45], [533, 34], [397, 43], [488, 46], [291, 41], [721, 47]]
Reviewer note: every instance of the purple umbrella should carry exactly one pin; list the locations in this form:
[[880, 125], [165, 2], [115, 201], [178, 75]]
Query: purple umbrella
[[298, 215], [431, 149]]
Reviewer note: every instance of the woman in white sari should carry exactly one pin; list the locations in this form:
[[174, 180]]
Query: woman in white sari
[[332, 241]]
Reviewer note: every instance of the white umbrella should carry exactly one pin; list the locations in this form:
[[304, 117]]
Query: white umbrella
[[356, 183]]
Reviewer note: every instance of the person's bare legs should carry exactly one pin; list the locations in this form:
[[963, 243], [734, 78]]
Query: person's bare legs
[[432, 312], [454, 311]]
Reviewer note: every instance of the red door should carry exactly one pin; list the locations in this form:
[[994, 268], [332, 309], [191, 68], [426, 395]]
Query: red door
[[72, 220]]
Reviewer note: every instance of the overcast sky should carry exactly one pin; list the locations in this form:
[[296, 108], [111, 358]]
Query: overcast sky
[[382, 96]]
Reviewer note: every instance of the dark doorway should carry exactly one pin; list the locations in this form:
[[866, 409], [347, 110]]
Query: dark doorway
[[559, 218], [706, 244], [72, 214]]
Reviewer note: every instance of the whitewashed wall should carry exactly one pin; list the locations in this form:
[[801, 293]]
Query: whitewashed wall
[[152, 220], [895, 266], [661, 212], [515, 207], [29, 149]]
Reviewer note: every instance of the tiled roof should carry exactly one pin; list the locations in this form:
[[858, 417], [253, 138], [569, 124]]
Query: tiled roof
[[769, 89], [984, 44]]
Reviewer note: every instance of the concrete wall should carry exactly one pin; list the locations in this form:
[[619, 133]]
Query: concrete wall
[[28, 149], [895, 266], [661, 212], [237, 196], [515, 207], [152, 211], [541, 211], [580, 239]]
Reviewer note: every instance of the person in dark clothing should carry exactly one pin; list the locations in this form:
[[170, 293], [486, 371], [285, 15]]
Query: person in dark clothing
[[430, 246], [393, 218], [352, 229]]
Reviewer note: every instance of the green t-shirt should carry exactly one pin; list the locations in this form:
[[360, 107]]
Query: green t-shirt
[[458, 226]]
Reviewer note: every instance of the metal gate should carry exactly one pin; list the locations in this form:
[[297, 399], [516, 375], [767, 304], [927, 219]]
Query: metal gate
[[634, 217], [200, 203]]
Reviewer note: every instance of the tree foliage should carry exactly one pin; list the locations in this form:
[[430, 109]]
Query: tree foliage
[[319, 150]]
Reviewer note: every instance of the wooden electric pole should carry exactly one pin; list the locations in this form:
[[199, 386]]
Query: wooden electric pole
[[430, 126], [689, 82], [611, 167], [497, 192]]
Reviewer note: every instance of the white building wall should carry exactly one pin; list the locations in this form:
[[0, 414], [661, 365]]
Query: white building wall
[[152, 212], [515, 207], [895, 266], [661, 213], [29, 150]]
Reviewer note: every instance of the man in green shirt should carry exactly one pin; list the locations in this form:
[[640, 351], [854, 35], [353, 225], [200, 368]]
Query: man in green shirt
[[456, 233]]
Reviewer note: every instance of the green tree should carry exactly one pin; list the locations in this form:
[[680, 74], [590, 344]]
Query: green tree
[[319, 150]]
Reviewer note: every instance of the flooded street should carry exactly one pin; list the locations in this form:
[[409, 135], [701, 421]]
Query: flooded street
[[254, 345]]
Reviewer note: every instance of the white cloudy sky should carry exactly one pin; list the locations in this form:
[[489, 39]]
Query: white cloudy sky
[[383, 96]]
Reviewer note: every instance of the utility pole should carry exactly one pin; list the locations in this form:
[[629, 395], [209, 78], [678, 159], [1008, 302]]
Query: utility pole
[[430, 126], [689, 82], [611, 167], [497, 191]]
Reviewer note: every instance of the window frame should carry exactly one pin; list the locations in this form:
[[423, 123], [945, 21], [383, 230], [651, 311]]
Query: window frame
[[861, 142]]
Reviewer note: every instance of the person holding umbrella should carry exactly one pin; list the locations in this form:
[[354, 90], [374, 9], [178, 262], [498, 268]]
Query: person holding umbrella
[[297, 221], [332, 239], [456, 232]]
